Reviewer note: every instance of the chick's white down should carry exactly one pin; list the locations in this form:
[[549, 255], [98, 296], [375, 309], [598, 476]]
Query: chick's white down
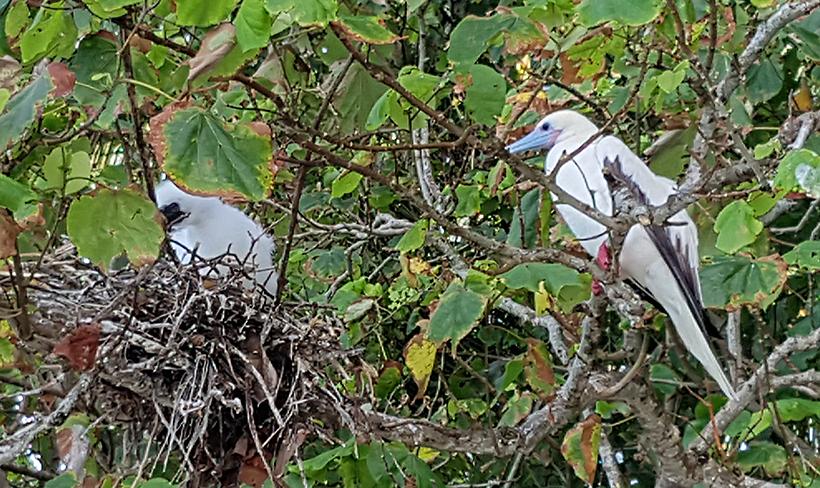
[[208, 228]]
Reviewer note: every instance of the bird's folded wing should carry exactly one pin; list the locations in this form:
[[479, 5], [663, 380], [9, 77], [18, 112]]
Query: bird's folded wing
[[677, 242]]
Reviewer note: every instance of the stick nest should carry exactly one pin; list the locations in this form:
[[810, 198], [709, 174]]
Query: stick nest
[[204, 374]]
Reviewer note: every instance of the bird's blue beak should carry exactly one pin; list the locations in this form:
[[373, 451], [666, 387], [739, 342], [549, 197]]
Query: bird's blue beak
[[538, 139]]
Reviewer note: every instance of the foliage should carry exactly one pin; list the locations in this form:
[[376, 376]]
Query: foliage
[[368, 137]]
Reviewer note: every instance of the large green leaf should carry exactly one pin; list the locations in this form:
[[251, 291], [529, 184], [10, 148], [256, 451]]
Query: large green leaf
[[369, 29], [486, 95], [472, 36], [96, 56], [629, 12], [764, 81], [204, 154], [203, 13], [580, 447], [458, 311], [65, 480], [355, 96], [469, 200], [305, 12], [529, 207], [22, 108], [414, 237], [568, 286], [253, 25], [733, 281], [52, 34], [67, 171], [112, 222], [736, 227]]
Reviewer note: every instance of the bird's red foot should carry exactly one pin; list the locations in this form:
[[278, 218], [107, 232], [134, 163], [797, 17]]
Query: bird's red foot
[[604, 259], [597, 288]]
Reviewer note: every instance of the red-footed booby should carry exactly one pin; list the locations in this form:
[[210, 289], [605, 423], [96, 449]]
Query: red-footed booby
[[663, 260], [212, 228]]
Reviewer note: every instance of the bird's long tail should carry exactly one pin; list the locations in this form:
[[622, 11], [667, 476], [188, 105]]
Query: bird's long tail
[[693, 337]]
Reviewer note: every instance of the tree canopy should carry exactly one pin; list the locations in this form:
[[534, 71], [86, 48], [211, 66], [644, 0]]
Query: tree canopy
[[436, 326]]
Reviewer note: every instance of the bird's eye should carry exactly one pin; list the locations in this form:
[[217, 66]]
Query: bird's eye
[[545, 126]]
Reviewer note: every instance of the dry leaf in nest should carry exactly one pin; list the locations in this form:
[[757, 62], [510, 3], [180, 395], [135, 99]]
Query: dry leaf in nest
[[253, 472], [80, 347]]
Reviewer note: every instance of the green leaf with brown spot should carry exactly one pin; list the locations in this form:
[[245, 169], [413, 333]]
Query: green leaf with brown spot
[[458, 311], [538, 369], [580, 447], [203, 154], [366, 28], [733, 281]]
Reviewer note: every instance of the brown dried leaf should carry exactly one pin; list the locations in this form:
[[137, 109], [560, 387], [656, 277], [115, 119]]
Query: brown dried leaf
[[9, 230], [216, 44], [252, 472], [9, 72], [569, 70], [538, 369], [80, 347], [62, 77]]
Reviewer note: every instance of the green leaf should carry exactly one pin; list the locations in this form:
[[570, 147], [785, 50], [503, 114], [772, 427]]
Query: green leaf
[[95, 56], [425, 87], [21, 110], [567, 285], [253, 25], [389, 379], [469, 200], [65, 480], [793, 171], [771, 457], [529, 207], [486, 95], [736, 227], [806, 255], [669, 379], [202, 13], [420, 358], [6, 353], [669, 80], [112, 222], [318, 463], [367, 29], [157, 483], [16, 197], [204, 154], [458, 311], [580, 447], [17, 19], [414, 238], [734, 281], [472, 36], [345, 184], [51, 34], [765, 79], [628, 12], [305, 12], [355, 98], [516, 410], [61, 167], [512, 370]]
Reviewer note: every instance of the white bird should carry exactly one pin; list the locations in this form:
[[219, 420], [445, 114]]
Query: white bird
[[663, 260], [211, 228]]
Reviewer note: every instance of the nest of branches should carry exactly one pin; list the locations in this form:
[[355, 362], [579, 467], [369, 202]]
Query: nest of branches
[[181, 363]]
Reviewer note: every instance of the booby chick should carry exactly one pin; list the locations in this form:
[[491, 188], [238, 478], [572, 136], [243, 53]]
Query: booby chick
[[663, 260], [210, 228]]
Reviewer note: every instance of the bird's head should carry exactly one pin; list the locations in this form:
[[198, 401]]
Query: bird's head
[[555, 127], [179, 208]]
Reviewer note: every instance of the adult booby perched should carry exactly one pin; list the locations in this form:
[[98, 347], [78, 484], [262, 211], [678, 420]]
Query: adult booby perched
[[211, 228], [661, 259]]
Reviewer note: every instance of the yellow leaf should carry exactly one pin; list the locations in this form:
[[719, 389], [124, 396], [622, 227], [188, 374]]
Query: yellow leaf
[[420, 356]]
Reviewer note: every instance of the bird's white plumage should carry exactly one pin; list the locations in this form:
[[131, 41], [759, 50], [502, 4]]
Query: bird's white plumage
[[213, 228], [671, 279]]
